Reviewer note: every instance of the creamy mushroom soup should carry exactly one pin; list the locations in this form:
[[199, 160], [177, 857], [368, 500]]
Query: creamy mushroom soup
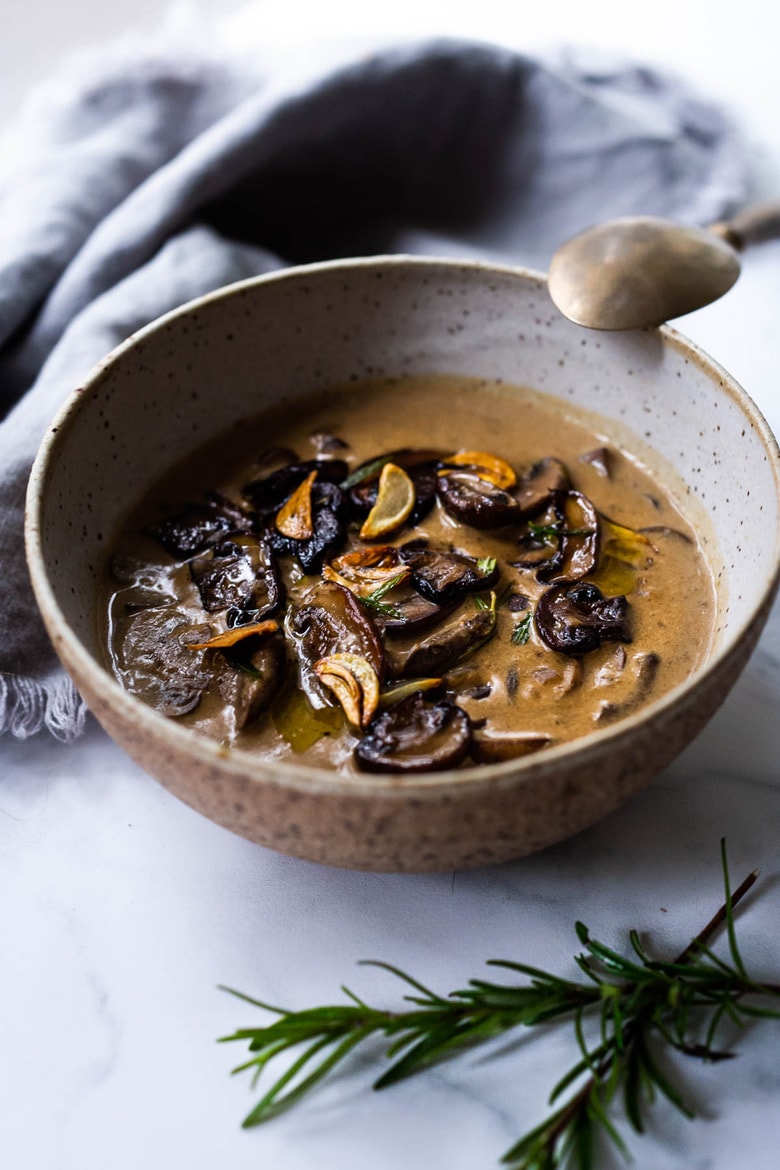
[[408, 575]]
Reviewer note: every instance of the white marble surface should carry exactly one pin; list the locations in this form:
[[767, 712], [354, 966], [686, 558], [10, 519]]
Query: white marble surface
[[121, 910]]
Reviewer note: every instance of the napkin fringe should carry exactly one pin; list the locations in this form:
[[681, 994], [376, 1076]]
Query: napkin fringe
[[27, 706]]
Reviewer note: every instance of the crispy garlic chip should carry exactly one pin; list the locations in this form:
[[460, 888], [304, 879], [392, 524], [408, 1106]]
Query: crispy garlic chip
[[394, 501], [354, 682], [237, 634], [365, 569], [294, 518], [485, 465]]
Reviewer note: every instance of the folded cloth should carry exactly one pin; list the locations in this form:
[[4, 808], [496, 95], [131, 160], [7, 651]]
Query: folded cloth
[[168, 177]]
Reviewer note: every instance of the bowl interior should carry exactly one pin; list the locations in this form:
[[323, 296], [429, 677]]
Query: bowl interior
[[206, 367]]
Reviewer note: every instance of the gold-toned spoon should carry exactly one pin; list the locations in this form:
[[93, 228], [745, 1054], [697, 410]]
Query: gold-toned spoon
[[641, 270]]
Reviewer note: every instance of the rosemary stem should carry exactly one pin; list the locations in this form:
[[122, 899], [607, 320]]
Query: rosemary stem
[[717, 920]]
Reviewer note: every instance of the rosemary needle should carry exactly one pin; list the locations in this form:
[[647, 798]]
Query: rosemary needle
[[638, 1004]]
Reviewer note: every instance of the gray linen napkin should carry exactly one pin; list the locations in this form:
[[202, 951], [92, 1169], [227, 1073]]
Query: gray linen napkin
[[170, 177]]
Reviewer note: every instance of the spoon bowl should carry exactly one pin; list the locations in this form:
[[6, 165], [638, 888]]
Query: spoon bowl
[[638, 271]]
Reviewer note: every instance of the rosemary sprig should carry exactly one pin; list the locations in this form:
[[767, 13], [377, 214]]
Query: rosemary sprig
[[522, 631], [550, 532], [374, 600], [637, 1004]]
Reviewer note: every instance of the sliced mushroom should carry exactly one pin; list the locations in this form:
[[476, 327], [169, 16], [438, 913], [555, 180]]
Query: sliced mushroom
[[475, 501], [575, 618], [155, 662], [241, 576], [665, 530], [600, 459], [251, 675], [610, 671], [442, 648], [495, 747], [415, 736], [579, 535], [276, 457], [197, 526], [330, 621], [445, 577], [407, 612], [645, 666], [535, 489], [325, 443]]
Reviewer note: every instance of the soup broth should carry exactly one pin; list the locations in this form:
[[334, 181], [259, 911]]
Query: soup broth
[[408, 574]]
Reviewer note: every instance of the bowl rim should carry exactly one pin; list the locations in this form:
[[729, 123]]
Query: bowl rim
[[306, 777]]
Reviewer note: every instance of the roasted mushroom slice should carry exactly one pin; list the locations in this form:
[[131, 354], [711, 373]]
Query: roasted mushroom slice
[[240, 576], [445, 577], [575, 618], [405, 611], [442, 648], [330, 621], [415, 736], [496, 747], [268, 494], [197, 526], [578, 533], [250, 675], [155, 662], [535, 489], [476, 501], [600, 459]]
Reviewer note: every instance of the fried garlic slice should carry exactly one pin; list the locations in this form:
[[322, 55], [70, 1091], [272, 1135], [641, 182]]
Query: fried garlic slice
[[355, 684]]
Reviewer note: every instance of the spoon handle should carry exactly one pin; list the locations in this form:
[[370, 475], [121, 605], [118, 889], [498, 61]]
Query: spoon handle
[[757, 222]]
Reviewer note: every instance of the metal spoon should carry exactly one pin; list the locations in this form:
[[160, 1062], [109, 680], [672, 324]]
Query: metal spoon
[[642, 270]]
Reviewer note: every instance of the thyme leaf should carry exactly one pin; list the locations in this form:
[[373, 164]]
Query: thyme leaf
[[635, 1004], [486, 565]]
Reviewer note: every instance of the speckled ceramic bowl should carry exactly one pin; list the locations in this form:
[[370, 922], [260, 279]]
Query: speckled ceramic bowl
[[201, 368]]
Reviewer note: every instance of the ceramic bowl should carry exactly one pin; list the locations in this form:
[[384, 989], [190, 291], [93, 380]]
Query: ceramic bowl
[[220, 359]]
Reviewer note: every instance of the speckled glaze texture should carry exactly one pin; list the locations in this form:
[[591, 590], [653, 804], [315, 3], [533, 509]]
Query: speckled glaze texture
[[211, 364]]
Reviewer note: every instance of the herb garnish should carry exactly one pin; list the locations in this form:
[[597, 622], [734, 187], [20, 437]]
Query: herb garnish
[[482, 604], [636, 1004], [367, 471], [374, 600], [522, 631], [487, 565], [554, 531]]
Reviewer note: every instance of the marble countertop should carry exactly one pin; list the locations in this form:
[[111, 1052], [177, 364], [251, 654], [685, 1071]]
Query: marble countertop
[[122, 910]]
